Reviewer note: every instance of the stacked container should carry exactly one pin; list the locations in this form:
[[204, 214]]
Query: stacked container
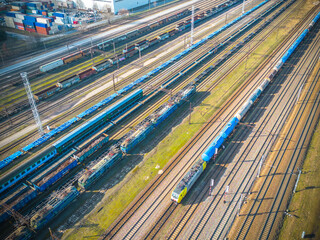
[[43, 25], [29, 23], [36, 18], [60, 17]]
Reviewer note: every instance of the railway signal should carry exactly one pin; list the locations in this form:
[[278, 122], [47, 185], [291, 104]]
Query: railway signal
[[215, 154], [260, 165], [211, 185], [240, 203], [295, 186], [225, 193]]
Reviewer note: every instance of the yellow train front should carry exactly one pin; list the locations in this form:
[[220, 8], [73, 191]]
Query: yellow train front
[[188, 180]]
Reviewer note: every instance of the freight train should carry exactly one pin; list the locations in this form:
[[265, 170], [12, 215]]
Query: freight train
[[42, 182], [103, 66], [193, 174], [62, 198], [128, 51], [165, 109], [160, 114], [131, 139], [141, 31], [70, 139]]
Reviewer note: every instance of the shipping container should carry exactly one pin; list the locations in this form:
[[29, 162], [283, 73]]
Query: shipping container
[[153, 25], [72, 57], [49, 66], [172, 32], [153, 41], [102, 66], [46, 93], [69, 81], [131, 53], [30, 29], [19, 24], [86, 73]]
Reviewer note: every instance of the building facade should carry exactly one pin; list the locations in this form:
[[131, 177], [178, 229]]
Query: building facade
[[112, 5]]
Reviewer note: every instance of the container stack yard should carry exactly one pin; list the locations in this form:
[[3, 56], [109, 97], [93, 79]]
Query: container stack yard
[[40, 17]]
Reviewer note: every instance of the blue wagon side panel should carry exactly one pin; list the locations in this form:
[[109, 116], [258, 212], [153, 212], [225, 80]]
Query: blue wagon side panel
[[210, 151]]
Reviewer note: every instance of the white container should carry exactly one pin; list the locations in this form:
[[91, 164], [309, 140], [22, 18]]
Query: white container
[[9, 22], [43, 20], [18, 20], [20, 16], [49, 66], [17, 8]]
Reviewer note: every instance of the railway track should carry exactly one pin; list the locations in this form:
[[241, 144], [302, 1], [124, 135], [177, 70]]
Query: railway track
[[145, 195], [96, 30], [82, 36], [66, 99], [160, 83], [228, 181], [74, 68], [108, 235], [288, 169], [91, 100]]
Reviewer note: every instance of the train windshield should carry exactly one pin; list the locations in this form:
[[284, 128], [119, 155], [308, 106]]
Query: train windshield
[[174, 196]]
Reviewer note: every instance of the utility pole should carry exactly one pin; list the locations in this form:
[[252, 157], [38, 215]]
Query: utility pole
[[215, 154], [192, 25], [225, 194], [190, 110], [91, 52], [34, 109], [240, 202], [299, 93], [114, 48], [114, 84]]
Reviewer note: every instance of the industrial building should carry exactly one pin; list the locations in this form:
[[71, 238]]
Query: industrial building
[[112, 5]]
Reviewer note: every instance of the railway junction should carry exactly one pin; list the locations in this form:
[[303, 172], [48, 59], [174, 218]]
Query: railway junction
[[253, 173]]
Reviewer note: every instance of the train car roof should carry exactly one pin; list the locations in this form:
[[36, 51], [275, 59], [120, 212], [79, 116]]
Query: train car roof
[[87, 124], [11, 173]]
